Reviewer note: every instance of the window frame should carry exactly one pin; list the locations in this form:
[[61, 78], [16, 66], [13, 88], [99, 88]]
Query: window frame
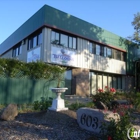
[[70, 38]]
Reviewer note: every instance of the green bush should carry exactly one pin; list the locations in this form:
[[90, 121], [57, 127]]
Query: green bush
[[43, 104], [105, 96], [77, 105], [117, 130]]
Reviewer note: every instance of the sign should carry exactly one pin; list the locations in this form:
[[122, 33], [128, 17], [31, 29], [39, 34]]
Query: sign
[[33, 55], [92, 119], [63, 56], [133, 133]]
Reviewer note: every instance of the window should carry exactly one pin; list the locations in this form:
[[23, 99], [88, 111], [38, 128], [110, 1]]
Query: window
[[109, 53], [39, 39], [63, 40], [54, 37], [70, 42], [35, 40], [117, 55], [105, 51], [98, 49], [17, 50], [122, 56], [92, 48], [74, 43]]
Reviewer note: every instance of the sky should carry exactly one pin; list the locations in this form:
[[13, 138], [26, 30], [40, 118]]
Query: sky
[[112, 15]]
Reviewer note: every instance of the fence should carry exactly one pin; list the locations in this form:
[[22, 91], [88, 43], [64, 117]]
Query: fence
[[13, 90]]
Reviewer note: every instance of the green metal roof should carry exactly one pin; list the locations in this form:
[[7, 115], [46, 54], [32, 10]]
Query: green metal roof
[[58, 19]]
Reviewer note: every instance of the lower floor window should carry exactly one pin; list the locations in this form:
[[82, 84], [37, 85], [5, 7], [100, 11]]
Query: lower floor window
[[101, 80]]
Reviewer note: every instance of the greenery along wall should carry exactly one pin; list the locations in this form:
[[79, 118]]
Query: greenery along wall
[[26, 82]]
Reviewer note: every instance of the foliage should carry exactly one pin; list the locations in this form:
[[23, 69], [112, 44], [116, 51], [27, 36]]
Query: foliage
[[90, 105], [24, 108], [136, 24], [43, 104], [117, 130], [105, 96], [35, 70], [77, 105], [136, 100]]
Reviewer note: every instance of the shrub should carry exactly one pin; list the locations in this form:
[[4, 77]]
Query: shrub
[[77, 105], [105, 96], [117, 130], [43, 104]]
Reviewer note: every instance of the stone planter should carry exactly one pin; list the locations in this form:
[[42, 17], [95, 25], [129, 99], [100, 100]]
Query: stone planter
[[58, 104]]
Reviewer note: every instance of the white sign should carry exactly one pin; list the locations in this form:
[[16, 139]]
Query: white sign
[[33, 55], [63, 56], [133, 133]]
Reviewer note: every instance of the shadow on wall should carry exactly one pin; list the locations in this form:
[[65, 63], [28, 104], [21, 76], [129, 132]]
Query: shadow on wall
[[131, 55], [74, 25]]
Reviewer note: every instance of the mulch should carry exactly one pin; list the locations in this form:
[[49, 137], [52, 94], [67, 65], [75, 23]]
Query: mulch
[[46, 125]]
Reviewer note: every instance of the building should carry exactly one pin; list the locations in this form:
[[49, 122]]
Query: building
[[95, 58]]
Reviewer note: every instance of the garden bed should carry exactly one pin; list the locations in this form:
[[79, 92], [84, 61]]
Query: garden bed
[[47, 125]]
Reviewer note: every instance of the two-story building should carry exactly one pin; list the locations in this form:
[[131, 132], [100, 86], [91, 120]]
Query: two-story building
[[95, 58]]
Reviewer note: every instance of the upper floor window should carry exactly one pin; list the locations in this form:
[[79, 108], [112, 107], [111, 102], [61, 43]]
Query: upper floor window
[[109, 52], [105, 51], [35, 40], [17, 50], [117, 54], [92, 48], [98, 49], [63, 40]]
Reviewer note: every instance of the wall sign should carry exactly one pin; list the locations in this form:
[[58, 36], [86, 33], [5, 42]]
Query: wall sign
[[63, 56], [33, 55]]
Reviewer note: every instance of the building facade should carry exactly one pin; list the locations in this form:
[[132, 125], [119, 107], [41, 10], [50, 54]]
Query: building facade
[[94, 57]]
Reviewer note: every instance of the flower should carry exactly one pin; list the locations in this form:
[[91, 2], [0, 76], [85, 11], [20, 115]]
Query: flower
[[112, 90], [100, 90], [109, 138]]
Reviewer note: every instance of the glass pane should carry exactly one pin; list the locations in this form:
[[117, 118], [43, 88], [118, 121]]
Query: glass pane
[[98, 51], [68, 78], [64, 40], [105, 51], [109, 81], [104, 81], [40, 38], [115, 82], [90, 48], [17, 49], [118, 55], [70, 42], [20, 49], [100, 81], [92, 83], [34, 41], [109, 53], [119, 83], [52, 37], [74, 43]]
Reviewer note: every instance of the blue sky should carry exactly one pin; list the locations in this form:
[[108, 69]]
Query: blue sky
[[113, 15]]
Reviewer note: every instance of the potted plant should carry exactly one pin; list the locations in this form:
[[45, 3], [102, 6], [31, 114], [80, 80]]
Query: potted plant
[[58, 104]]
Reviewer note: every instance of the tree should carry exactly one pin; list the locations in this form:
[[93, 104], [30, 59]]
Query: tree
[[136, 23]]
